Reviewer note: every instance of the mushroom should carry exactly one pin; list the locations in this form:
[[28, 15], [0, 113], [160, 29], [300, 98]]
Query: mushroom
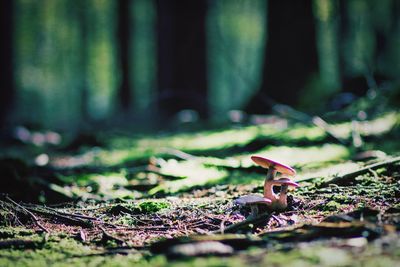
[[253, 201], [279, 202], [273, 168]]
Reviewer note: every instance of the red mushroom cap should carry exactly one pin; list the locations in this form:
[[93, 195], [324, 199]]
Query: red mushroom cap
[[252, 199], [284, 181], [268, 163]]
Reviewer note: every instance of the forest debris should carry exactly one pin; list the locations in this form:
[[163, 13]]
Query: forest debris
[[67, 219], [343, 230], [362, 214], [279, 221], [120, 209], [31, 215], [261, 218], [325, 230], [81, 216], [339, 218], [343, 179], [365, 214], [109, 237], [81, 236]]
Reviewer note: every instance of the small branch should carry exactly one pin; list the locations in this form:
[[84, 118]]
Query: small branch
[[63, 218], [33, 217], [72, 214], [108, 236], [82, 236], [279, 221], [352, 175], [251, 220]]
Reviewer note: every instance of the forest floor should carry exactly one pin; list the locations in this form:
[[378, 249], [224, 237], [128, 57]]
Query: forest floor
[[115, 199]]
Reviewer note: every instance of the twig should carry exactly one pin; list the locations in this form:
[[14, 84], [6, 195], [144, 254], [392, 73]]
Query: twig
[[251, 220], [352, 175], [108, 236], [279, 221], [11, 211], [34, 218], [81, 216], [82, 236], [64, 218]]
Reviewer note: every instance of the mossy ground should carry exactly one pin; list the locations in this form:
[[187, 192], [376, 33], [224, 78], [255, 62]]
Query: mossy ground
[[111, 206]]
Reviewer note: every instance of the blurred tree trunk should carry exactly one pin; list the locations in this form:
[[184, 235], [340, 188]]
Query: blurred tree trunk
[[124, 24], [290, 58], [344, 28], [364, 42], [182, 69], [7, 88], [394, 50], [83, 18]]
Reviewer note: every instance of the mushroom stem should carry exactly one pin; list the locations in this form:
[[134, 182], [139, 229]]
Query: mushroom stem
[[269, 191], [279, 202], [270, 174], [283, 196], [254, 210]]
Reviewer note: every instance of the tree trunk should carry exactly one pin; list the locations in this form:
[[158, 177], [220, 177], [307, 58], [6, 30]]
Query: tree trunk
[[83, 50], [124, 25], [182, 69], [290, 58], [343, 32], [7, 87]]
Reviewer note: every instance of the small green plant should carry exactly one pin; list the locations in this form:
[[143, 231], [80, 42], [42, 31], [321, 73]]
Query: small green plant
[[332, 206], [126, 220], [153, 206]]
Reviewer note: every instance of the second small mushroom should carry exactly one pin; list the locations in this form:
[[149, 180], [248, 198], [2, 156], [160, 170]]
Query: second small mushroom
[[273, 167], [279, 202], [253, 201]]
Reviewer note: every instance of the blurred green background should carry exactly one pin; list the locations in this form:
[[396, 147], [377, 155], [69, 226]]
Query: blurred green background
[[66, 64]]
